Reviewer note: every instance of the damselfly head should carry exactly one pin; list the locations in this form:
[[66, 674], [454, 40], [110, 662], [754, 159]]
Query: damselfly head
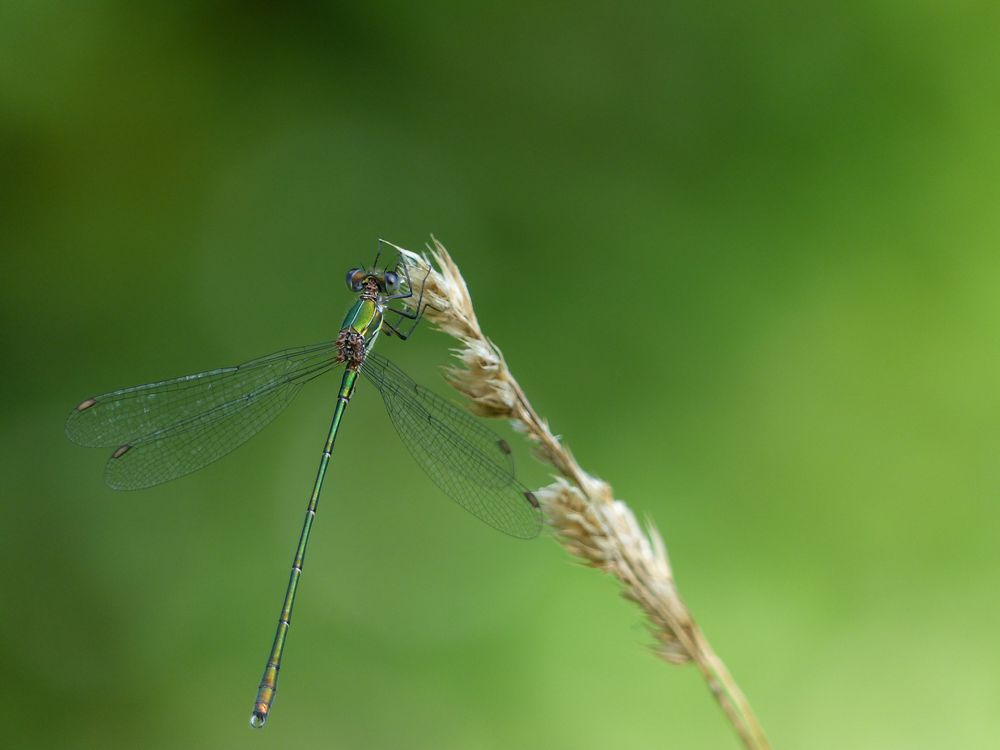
[[387, 281]]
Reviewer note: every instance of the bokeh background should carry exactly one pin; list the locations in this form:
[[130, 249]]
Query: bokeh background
[[743, 257]]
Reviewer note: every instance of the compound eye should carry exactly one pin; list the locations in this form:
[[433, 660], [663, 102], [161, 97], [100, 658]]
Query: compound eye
[[391, 281], [355, 277]]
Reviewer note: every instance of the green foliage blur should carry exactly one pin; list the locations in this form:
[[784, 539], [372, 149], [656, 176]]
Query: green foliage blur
[[744, 257]]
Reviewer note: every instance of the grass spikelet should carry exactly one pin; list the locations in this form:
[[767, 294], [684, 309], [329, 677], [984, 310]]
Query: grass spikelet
[[588, 521]]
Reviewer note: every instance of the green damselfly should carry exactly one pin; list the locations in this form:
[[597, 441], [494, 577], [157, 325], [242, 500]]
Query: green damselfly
[[167, 429]]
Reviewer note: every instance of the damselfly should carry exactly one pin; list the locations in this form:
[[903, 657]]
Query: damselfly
[[164, 430]]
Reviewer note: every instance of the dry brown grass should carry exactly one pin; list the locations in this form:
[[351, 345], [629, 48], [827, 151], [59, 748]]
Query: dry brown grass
[[580, 508]]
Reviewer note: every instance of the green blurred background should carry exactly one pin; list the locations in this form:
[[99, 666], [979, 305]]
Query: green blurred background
[[743, 257]]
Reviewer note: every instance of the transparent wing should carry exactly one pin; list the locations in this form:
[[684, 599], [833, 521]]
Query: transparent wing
[[167, 429], [468, 461]]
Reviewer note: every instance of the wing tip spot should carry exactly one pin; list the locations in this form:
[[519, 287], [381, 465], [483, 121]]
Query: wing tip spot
[[84, 405], [504, 446], [530, 497], [121, 450]]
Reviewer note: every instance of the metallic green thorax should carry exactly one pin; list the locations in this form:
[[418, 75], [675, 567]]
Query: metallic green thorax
[[365, 317]]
